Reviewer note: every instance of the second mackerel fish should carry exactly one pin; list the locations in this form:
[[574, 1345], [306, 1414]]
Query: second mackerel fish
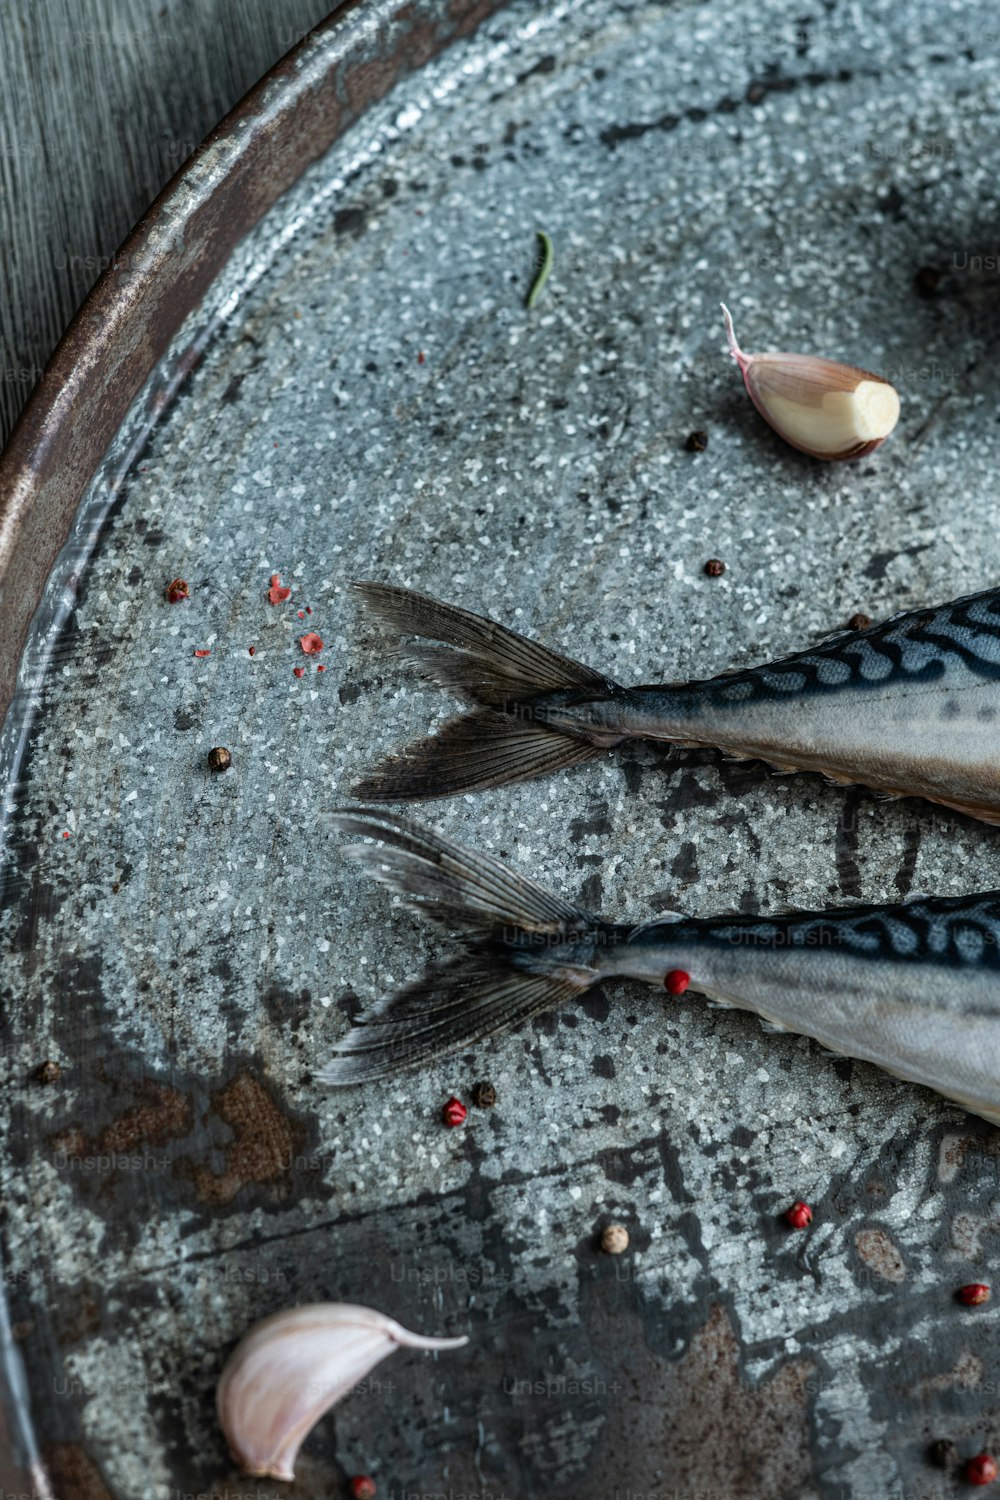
[[913, 987]]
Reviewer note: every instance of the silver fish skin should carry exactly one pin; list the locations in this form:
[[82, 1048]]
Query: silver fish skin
[[910, 707], [913, 988]]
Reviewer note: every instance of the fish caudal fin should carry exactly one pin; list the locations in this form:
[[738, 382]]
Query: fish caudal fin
[[456, 1004], [472, 753], [505, 676], [526, 950], [490, 664]]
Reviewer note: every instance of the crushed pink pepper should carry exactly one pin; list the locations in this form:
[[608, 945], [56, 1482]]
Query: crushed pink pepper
[[202, 653], [298, 671], [278, 593], [251, 650], [311, 644], [177, 591]]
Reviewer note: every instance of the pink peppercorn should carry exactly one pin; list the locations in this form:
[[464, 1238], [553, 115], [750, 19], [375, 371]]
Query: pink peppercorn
[[454, 1112]]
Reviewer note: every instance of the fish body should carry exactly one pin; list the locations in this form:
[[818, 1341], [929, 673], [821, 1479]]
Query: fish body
[[911, 707], [913, 988]]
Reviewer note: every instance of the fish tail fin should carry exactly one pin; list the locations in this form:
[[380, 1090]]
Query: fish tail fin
[[506, 677], [526, 949]]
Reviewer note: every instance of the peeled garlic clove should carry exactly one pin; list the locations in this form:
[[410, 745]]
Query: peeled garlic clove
[[291, 1368], [818, 405]]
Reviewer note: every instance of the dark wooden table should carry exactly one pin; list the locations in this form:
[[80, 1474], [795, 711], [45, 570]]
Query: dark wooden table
[[101, 101]]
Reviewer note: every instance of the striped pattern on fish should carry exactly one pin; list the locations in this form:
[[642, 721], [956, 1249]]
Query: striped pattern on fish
[[911, 707], [913, 988]]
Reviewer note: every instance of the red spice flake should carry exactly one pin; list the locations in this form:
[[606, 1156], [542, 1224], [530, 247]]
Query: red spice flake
[[981, 1470], [321, 668], [361, 1487], [66, 833], [800, 1215], [298, 671], [973, 1295], [311, 644], [251, 650], [301, 613], [277, 593], [421, 358], [203, 653], [308, 610], [176, 591], [454, 1112], [676, 982]]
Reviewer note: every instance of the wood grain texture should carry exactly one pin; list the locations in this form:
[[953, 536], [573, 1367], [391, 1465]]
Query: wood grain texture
[[101, 101]]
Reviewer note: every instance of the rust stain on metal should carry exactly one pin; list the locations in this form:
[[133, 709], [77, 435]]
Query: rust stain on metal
[[264, 1142], [73, 1472], [72, 1142], [968, 1230], [880, 1255], [965, 1375], [467, 16], [766, 1452], [368, 78], [680, 1409], [162, 1113], [81, 1318], [955, 1148]]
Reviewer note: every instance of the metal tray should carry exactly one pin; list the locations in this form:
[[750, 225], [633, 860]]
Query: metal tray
[[327, 371]]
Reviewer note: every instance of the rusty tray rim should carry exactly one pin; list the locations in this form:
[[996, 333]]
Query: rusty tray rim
[[126, 325]]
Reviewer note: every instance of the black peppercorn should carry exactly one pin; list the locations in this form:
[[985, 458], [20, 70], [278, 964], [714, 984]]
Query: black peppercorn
[[943, 1453]]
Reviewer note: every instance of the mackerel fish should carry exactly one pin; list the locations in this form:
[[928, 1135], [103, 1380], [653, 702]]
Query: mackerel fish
[[912, 988], [910, 707]]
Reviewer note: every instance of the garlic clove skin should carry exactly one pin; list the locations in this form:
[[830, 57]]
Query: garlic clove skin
[[820, 406], [292, 1367]]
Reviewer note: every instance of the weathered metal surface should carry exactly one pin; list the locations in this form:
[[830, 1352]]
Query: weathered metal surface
[[126, 325], [381, 404], [168, 264]]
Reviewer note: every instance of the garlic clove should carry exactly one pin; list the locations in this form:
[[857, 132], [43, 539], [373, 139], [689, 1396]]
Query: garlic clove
[[292, 1367], [820, 406]]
